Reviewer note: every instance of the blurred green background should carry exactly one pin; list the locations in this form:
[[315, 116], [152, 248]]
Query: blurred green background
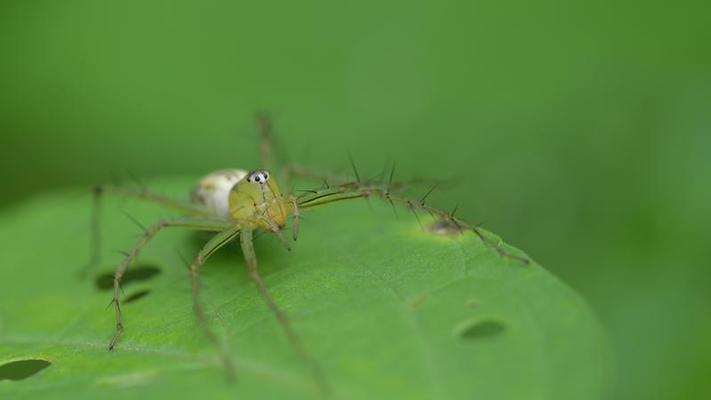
[[579, 131]]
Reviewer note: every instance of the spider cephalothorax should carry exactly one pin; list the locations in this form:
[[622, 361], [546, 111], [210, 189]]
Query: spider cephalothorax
[[257, 202]]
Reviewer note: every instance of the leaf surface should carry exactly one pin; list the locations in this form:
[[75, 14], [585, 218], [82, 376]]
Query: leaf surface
[[387, 310]]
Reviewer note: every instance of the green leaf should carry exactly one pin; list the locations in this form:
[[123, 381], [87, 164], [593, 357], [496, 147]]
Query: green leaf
[[387, 310]]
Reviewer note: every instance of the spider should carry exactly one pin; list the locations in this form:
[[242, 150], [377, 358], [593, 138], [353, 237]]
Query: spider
[[235, 204]]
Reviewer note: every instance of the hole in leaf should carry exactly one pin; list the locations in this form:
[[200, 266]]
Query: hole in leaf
[[22, 369], [138, 273], [445, 227], [136, 296], [480, 329]]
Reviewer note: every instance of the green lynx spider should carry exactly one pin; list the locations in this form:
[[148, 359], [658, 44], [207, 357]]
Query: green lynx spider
[[235, 204]]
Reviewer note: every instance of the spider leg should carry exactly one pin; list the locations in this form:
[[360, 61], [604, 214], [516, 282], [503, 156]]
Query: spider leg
[[208, 249], [251, 258], [294, 171], [295, 217], [264, 127], [95, 231], [356, 190], [150, 233], [287, 171]]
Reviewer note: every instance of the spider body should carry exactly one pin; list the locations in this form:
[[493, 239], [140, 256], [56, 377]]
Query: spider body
[[248, 199]]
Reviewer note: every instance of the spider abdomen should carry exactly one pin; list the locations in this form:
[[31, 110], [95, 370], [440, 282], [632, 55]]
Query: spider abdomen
[[213, 190]]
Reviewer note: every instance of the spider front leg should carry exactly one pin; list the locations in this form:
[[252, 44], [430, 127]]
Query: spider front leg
[[150, 233], [246, 242], [356, 190], [295, 217], [210, 247]]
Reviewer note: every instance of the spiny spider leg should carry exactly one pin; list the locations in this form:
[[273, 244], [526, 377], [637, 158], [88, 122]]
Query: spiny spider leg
[[295, 218], [267, 159], [150, 233], [95, 231], [266, 153], [207, 250], [292, 171], [296, 171], [247, 245], [264, 127], [353, 190], [289, 171]]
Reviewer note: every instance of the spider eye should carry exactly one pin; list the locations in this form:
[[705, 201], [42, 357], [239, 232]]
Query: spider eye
[[260, 177]]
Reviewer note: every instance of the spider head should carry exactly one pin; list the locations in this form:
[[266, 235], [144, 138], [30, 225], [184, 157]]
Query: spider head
[[256, 201]]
